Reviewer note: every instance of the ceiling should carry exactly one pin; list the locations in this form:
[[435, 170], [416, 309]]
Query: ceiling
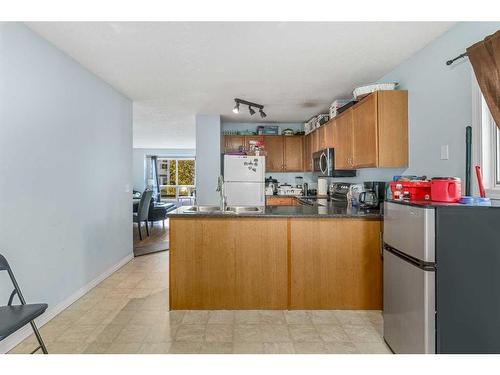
[[174, 70]]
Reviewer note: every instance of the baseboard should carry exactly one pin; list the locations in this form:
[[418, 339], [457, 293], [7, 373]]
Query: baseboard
[[16, 338]]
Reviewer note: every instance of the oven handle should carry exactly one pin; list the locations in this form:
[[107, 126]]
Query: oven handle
[[426, 266]]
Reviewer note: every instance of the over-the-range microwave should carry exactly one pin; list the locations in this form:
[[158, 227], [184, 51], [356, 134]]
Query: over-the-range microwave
[[324, 164]]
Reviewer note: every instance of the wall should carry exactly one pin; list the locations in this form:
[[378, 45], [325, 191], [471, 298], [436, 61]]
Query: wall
[[208, 151], [440, 99], [66, 171], [139, 167]]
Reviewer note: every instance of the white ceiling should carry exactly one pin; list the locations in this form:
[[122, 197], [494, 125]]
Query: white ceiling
[[174, 70]]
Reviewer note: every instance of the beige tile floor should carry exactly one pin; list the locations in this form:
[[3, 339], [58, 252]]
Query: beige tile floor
[[128, 313]]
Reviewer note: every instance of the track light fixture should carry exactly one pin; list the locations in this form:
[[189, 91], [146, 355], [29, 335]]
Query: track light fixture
[[236, 108]]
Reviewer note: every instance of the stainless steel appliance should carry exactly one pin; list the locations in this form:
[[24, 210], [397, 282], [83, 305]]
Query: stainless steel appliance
[[271, 186], [409, 278], [373, 187], [324, 164], [342, 192]]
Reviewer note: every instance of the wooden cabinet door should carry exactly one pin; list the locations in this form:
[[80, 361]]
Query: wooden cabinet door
[[328, 134], [342, 135], [365, 134], [273, 144], [233, 142], [315, 141], [321, 138], [293, 151], [307, 153], [251, 138], [335, 264]]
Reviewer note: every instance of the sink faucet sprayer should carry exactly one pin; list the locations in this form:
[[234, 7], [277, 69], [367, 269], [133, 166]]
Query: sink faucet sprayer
[[220, 189]]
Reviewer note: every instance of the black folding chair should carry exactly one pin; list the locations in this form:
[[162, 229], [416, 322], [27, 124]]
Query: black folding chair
[[14, 317]]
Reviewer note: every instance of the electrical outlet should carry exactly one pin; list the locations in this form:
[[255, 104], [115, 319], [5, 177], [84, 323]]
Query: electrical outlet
[[445, 153]]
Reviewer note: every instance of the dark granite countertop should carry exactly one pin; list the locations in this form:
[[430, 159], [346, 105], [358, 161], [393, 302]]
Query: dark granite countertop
[[430, 204], [320, 208]]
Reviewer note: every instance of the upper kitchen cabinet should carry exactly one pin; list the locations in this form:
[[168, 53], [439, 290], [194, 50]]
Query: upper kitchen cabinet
[[342, 136], [234, 142], [293, 153], [274, 147], [308, 164], [328, 134], [380, 130]]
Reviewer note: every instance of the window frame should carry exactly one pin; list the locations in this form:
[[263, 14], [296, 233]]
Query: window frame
[[176, 185], [485, 144]]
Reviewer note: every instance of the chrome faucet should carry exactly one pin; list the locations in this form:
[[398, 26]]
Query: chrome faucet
[[220, 189]]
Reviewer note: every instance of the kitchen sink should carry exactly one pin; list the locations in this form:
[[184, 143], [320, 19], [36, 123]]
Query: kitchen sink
[[244, 209], [202, 209]]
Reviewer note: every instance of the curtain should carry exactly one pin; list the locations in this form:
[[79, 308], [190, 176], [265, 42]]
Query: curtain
[[485, 60], [154, 176]]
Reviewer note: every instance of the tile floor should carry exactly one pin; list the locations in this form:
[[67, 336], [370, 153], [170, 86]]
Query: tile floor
[[128, 313]]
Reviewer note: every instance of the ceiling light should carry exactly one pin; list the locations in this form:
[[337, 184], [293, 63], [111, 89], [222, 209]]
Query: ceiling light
[[236, 108], [252, 112], [262, 113]]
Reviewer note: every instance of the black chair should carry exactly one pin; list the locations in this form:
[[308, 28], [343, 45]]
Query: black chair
[[15, 317], [141, 216], [158, 212]]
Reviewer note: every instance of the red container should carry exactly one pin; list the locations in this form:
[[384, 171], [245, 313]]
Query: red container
[[416, 190], [446, 189]]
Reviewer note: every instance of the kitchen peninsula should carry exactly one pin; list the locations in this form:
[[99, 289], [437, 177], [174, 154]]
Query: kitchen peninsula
[[306, 256]]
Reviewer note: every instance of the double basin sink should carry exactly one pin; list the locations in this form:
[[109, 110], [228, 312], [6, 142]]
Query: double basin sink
[[229, 209]]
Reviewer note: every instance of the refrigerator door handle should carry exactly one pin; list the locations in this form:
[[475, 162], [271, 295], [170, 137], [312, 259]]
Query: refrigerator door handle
[[426, 266]]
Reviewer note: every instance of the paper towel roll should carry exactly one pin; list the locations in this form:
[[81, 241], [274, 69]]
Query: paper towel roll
[[322, 186]]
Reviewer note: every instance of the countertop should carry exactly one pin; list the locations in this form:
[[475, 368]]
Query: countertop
[[431, 204], [321, 208]]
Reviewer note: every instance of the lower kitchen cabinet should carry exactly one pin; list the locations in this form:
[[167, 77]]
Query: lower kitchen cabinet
[[274, 263], [220, 263], [276, 200], [335, 264]]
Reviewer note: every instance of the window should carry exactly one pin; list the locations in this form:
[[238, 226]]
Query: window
[[486, 144], [176, 177]]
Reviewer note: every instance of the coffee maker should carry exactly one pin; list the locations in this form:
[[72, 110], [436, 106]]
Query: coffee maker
[[373, 194]]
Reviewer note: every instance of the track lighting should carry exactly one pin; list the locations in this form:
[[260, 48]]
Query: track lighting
[[251, 110], [236, 108]]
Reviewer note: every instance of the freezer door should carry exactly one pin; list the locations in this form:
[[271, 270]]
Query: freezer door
[[244, 168], [244, 193], [410, 230], [409, 306]]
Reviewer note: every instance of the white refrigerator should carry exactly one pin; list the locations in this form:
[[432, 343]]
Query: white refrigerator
[[244, 179]]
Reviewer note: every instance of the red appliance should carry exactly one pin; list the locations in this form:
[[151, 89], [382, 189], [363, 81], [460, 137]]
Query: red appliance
[[446, 189], [414, 190]]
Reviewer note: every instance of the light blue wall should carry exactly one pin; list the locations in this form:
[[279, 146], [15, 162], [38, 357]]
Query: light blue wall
[[440, 99], [139, 156], [65, 170], [208, 140]]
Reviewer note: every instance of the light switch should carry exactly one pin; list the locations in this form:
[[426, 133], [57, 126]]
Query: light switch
[[445, 153]]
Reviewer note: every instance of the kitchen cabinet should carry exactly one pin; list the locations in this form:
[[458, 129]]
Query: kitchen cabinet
[[274, 147], [228, 264], [328, 134], [315, 141], [276, 200], [373, 133], [234, 142], [308, 166], [335, 264], [342, 135], [364, 134], [293, 153]]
